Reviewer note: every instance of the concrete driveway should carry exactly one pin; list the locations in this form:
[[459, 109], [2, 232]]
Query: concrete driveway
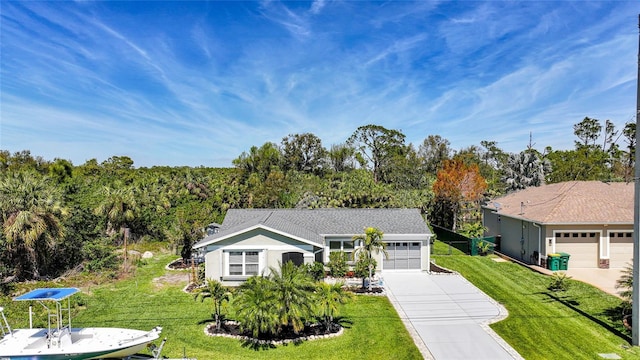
[[604, 279], [447, 316]]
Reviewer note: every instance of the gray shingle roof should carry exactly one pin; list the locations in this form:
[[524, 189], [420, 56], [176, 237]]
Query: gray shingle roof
[[572, 202], [314, 224]]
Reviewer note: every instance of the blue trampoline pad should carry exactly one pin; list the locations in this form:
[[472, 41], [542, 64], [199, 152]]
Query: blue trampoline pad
[[55, 294]]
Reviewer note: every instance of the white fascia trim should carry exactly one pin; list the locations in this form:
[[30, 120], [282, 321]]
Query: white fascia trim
[[385, 237], [233, 247], [406, 237], [259, 226], [330, 236], [541, 222]]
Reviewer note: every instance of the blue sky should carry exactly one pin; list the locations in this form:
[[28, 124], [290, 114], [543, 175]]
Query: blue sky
[[197, 83]]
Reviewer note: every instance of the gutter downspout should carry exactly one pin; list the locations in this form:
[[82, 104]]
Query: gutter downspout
[[539, 242]]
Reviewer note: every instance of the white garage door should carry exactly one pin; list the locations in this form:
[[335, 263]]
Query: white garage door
[[620, 249], [582, 246], [402, 255]]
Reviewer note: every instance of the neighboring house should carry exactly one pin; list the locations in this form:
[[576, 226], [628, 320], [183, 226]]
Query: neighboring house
[[590, 220], [249, 241]]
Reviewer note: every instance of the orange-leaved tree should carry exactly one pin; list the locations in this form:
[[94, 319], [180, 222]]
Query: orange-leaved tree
[[457, 184]]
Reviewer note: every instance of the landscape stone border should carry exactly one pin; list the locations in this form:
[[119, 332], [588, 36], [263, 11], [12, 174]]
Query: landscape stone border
[[272, 342]]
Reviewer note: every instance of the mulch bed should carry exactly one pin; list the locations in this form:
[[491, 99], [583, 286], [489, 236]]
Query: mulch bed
[[361, 290], [191, 287], [437, 269], [179, 264]]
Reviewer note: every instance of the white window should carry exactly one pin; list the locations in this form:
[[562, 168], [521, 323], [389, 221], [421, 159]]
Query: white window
[[342, 245], [244, 263]]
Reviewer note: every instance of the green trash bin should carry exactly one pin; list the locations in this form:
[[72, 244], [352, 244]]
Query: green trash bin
[[553, 262], [473, 248], [564, 261]]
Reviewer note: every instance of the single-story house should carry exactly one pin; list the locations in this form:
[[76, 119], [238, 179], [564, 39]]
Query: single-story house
[[592, 221], [249, 241]]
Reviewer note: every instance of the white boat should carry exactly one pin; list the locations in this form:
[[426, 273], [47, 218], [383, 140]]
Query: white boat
[[59, 341]]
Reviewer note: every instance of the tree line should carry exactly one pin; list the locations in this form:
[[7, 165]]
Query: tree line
[[58, 216]]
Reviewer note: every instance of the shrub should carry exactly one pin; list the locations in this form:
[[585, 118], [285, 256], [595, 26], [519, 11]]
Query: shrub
[[100, 255], [265, 306], [316, 270], [201, 274], [256, 307], [559, 282], [362, 267], [625, 284], [484, 247], [338, 263], [473, 230]]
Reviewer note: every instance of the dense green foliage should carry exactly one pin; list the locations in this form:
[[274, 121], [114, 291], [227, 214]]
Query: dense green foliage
[[338, 263], [81, 213], [285, 302]]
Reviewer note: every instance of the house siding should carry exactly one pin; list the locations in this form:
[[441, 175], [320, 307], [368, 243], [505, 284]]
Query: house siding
[[273, 232], [597, 212], [269, 244], [519, 240]]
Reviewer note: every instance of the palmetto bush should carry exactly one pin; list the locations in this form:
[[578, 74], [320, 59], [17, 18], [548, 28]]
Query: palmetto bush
[[285, 302], [625, 284], [256, 309]]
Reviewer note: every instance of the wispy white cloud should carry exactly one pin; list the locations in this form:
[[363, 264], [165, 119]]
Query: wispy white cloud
[[198, 84], [317, 5], [295, 23]]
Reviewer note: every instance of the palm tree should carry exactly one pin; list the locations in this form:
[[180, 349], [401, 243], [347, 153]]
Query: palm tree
[[625, 283], [371, 242], [218, 294], [32, 214], [292, 291], [329, 298], [119, 207], [257, 310]]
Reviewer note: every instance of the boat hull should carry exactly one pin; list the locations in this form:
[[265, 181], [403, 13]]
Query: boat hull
[[82, 344]]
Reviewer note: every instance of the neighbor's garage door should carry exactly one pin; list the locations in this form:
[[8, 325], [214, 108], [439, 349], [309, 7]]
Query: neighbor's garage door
[[402, 255], [620, 249], [583, 248]]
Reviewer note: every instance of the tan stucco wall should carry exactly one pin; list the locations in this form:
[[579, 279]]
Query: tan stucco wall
[[521, 238]]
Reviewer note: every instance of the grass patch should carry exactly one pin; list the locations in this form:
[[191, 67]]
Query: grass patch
[[373, 328], [579, 323], [441, 248]]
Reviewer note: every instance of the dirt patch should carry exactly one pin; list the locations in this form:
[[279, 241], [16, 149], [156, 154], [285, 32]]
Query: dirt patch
[[171, 279]]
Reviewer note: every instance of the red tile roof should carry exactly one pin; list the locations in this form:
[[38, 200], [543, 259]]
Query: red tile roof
[[572, 202]]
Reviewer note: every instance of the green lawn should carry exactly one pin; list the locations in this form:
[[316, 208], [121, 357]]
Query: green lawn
[[374, 330], [577, 324]]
